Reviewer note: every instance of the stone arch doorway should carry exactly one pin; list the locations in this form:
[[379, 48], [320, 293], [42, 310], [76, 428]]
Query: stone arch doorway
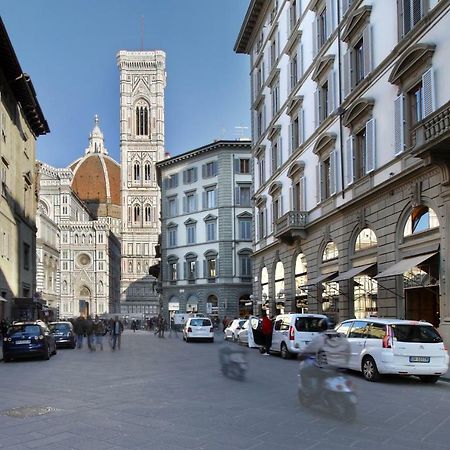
[[84, 301], [212, 306]]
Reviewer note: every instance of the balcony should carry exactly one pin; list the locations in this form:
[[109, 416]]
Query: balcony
[[291, 226], [431, 140]]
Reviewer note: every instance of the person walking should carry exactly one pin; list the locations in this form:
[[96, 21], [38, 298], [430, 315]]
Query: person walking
[[134, 325], [89, 324], [161, 325], [78, 329], [266, 329], [116, 333], [99, 331], [224, 323]]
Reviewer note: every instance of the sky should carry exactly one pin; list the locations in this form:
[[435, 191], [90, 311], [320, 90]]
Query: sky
[[69, 50]]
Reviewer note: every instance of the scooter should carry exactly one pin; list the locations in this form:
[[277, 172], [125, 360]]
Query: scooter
[[233, 362], [331, 391]]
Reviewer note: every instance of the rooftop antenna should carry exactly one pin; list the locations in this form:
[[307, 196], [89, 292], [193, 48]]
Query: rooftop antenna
[[142, 33], [240, 132]]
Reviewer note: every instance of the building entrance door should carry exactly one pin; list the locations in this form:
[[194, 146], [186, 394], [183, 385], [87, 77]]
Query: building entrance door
[[422, 303]]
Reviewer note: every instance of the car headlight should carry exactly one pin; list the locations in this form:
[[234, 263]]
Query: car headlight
[[41, 336]]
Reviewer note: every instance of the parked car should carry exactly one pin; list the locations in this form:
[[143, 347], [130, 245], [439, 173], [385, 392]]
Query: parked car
[[25, 339], [198, 328], [233, 328], [292, 332], [63, 334], [242, 335], [393, 346]]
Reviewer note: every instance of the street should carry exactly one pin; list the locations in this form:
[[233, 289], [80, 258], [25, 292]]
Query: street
[[167, 394]]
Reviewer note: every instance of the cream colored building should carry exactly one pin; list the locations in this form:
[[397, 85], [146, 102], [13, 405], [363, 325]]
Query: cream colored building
[[350, 111], [21, 123]]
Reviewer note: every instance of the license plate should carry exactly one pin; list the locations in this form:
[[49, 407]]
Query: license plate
[[419, 359], [23, 342]]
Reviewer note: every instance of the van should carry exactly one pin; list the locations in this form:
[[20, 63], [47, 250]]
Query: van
[[394, 346], [293, 332]]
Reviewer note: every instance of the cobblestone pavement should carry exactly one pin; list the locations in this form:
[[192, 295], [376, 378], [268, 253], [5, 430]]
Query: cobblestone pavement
[[167, 394]]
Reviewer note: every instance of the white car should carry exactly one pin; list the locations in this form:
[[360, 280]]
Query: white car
[[394, 346], [242, 336], [198, 328], [232, 330]]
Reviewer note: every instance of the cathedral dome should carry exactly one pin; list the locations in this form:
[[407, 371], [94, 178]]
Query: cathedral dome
[[96, 177]]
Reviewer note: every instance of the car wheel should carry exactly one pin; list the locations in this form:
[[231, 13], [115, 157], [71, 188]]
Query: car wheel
[[369, 369], [46, 355], [430, 379], [285, 353]]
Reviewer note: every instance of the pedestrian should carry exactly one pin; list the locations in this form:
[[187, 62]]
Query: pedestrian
[[161, 325], [89, 324], [78, 328], [134, 325], [116, 332], [99, 331], [224, 323], [266, 329]]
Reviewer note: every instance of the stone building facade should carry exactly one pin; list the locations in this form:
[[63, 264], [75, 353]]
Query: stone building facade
[[350, 129], [21, 123], [142, 84], [206, 230]]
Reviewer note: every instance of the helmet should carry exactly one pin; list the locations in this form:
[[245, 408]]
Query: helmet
[[326, 324]]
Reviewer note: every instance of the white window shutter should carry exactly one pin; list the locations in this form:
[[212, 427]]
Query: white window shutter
[[347, 73], [318, 183], [399, 124], [291, 134], [315, 40], [303, 194], [301, 126], [370, 146], [300, 61], [176, 206], [330, 13], [280, 151], [367, 49], [281, 211], [428, 100], [278, 44], [331, 93], [264, 118], [237, 196], [350, 160], [333, 171], [291, 198], [316, 109]]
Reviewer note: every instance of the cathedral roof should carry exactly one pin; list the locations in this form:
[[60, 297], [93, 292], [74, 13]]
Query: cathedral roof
[[96, 176]]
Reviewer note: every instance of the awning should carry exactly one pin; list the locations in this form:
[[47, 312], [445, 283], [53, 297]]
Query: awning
[[3, 299], [320, 279], [353, 272], [404, 265]]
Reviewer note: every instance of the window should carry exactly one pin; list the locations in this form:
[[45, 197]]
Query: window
[[4, 175], [322, 102], [243, 195], [358, 330], [172, 237], [277, 155], [298, 194], [242, 165], [260, 119], [365, 296], [136, 172], [26, 256], [293, 70], [191, 233], [65, 238], [100, 238], [261, 169], [171, 181], [410, 12], [421, 219], [173, 270], [190, 271], [211, 231], [100, 265], [330, 252], [365, 239], [274, 48], [142, 119], [262, 226], [327, 174], [275, 95], [190, 175], [211, 263], [210, 198], [130, 266], [245, 265], [209, 169], [190, 202], [148, 214], [136, 213], [245, 229], [147, 171], [301, 294], [293, 15], [296, 130], [172, 207], [130, 249]]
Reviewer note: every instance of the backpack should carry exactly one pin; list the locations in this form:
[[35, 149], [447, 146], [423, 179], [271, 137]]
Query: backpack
[[334, 352]]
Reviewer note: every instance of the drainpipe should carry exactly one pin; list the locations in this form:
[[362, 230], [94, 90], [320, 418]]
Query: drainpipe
[[340, 110]]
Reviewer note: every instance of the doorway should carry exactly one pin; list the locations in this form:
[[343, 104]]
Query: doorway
[[422, 304]]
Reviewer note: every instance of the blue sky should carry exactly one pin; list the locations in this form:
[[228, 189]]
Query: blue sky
[[69, 49]]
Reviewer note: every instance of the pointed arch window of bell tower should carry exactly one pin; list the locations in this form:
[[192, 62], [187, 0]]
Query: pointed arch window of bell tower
[[142, 120]]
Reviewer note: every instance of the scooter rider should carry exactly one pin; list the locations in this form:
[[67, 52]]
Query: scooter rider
[[327, 352]]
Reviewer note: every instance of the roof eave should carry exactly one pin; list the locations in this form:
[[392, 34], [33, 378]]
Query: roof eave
[[248, 26]]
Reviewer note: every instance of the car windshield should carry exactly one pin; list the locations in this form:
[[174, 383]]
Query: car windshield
[[59, 327], [200, 323], [311, 324], [425, 334], [33, 330]]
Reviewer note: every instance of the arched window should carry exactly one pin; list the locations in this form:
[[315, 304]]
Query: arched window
[[100, 287], [365, 239], [421, 219], [264, 286], [64, 286], [330, 252], [147, 172], [137, 213], [76, 239], [279, 286], [90, 239], [137, 172], [142, 116], [83, 238], [130, 266], [301, 279], [148, 213]]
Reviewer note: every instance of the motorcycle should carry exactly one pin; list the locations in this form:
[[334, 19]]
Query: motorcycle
[[331, 391], [233, 362]]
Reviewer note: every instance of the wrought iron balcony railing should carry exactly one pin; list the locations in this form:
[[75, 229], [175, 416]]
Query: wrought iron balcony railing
[[291, 226]]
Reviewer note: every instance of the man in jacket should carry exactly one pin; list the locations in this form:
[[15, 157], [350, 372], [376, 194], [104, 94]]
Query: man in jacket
[[116, 333], [99, 331], [266, 329]]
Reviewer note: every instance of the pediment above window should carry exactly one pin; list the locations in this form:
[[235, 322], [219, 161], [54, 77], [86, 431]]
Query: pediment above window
[[293, 41], [272, 76], [172, 258], [172, 225], [274, 131], [357, 21], [190, 221], [210, 217], [244, 215], [294, 104], [190, 256], [416, 59], [296, 169], [245, 251], [360, 111], [260, 201], [260, 151], [275, 188], [315, 5], [210, 253], [325, 142], [323, 66]]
